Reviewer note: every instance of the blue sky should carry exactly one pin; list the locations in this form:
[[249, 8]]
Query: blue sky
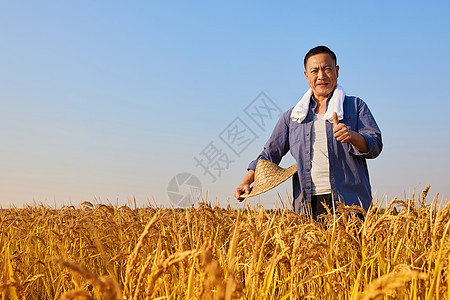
[[110, 100]]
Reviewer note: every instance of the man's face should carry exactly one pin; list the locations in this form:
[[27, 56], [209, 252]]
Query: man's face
[[322, 74]]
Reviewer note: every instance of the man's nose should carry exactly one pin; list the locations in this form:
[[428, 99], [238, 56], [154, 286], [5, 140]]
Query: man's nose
[[320, 74]]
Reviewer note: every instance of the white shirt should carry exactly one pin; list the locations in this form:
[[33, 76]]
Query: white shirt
[[320, 165]]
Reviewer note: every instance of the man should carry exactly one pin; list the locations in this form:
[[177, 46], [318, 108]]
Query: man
[[330, 135]]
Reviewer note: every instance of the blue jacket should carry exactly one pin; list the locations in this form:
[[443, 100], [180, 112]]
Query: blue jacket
[[349, 176]]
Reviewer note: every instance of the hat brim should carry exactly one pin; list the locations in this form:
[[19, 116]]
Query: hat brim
[[267, 176]]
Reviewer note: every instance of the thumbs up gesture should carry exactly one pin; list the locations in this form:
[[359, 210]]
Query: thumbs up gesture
[[341, 132]]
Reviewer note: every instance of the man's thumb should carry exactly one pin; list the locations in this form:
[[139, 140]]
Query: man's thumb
[[247, 189], [335, 119]]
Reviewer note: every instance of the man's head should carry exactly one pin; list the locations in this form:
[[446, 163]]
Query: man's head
[[321, 71], [318, 50]]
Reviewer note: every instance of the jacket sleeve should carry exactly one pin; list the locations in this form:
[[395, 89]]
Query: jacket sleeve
[[277, 145], [369, 129]]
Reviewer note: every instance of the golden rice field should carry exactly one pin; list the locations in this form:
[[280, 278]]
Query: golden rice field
[[98, 251]]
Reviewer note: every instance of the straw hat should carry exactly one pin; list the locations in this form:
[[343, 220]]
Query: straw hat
[[267, 176]]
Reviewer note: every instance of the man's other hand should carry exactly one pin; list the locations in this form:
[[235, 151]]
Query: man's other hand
[[341, 132], [344, 135], [242, 188]]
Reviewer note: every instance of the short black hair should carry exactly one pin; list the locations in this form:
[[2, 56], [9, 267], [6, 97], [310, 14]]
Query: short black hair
[[318, 50]]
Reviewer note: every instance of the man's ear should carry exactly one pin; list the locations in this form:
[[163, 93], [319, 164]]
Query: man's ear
[[337, 71], [306, 75]]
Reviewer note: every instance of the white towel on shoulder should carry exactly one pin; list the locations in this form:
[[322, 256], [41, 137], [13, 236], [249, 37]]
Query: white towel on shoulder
[[300, 110]]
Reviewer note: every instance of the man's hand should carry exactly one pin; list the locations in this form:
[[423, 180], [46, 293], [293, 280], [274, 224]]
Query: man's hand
[[242, 188], [344, 135], [341, 132]]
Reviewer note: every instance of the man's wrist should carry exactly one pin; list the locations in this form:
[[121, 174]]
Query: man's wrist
[[248, 179], [358, 141]]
